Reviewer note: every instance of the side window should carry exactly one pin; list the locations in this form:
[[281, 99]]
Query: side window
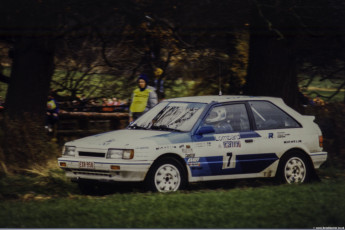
[[228, 118], [268, 116]]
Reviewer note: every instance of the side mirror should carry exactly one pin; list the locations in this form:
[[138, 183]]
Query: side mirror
[[205, 129]]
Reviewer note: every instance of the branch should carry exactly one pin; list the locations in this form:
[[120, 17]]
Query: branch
[[4, 78], [330, 76], [173, 28], [269, 23], [104, 45], [311, 79], [332, 95]]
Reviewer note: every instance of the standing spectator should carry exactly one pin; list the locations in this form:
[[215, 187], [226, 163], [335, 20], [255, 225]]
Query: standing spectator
[[1, 103], [143, 98], [83, 102], [52, 114], [303, 99]]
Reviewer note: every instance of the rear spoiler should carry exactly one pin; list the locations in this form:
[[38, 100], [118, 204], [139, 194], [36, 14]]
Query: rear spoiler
[[309, 117]]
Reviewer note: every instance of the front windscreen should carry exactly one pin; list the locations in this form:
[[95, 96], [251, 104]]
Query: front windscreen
[[170, 116]]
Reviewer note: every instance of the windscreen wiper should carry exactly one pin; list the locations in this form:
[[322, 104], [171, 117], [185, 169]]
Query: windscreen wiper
[[164, 128], [135, 126]]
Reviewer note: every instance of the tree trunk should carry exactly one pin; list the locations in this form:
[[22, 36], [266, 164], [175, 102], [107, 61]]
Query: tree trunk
[[272, 67], [32, 69], [24, 139]]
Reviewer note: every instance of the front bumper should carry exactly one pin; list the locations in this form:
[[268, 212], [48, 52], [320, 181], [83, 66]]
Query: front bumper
[[318, 158], [104, 169]]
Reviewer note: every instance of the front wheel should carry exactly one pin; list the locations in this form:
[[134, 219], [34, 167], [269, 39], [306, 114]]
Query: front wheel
[[294, 168], [167, 175]]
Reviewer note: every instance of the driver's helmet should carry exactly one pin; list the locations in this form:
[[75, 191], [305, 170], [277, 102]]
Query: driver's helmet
[[217, 114]]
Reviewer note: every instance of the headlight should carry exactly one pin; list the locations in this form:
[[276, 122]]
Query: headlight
[[120, 154], [128, 154], [69, 151]]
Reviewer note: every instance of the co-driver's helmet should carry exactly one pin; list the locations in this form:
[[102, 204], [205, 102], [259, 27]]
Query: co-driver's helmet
[[217, 114]]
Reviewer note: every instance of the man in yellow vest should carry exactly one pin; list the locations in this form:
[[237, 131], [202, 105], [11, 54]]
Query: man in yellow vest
[[143, 98], [52, 115]]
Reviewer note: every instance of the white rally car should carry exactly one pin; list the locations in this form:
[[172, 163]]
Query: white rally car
[[201, 138]]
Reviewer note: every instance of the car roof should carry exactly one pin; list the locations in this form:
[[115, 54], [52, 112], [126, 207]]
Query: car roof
[[224, 98]]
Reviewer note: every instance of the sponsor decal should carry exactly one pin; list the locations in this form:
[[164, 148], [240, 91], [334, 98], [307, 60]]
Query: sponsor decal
[[187, 151], [292, 141], [203, 144], [190, 155], [282, 134], [166, 147], [146, 147], [227, 137], [193, 162], [232, 144]]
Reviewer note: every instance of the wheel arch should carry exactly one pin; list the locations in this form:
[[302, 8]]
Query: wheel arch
[[304, 154], [299, 151], [174, 156]]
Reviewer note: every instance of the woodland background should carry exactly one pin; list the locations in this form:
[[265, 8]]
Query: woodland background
[[98, 48]]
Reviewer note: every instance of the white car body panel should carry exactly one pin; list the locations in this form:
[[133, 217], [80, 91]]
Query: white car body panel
[[255, 153]]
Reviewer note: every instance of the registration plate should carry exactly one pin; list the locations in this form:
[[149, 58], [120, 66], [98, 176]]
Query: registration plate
[[86, 165]]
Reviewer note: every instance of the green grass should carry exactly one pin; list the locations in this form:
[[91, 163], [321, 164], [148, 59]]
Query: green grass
[[50, 201], [325, 88], [337, 98]]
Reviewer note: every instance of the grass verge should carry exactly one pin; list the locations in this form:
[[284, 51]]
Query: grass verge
[[55, 203]]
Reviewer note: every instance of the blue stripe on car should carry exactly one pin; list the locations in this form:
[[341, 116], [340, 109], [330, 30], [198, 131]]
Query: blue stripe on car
[[249, 135], [107, 163], [180, 138], [250, 163]]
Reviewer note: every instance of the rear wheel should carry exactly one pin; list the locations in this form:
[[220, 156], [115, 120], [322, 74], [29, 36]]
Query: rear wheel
[[294, 168], [167, 175]]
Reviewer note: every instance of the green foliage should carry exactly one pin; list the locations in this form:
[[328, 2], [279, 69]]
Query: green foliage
[[179, 88], [99, 86], [92, 86]]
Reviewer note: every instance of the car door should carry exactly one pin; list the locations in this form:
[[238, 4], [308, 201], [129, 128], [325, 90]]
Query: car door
[[224, 145], [276, 128]]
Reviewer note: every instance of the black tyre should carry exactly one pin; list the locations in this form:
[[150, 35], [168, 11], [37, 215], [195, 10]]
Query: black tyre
[[166, 175], [294, 168]]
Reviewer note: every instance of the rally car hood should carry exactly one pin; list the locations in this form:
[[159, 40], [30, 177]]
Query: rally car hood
[[119, 139]]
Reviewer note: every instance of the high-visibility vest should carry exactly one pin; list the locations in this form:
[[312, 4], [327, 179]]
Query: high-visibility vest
[[140, 99], [51, 105]]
